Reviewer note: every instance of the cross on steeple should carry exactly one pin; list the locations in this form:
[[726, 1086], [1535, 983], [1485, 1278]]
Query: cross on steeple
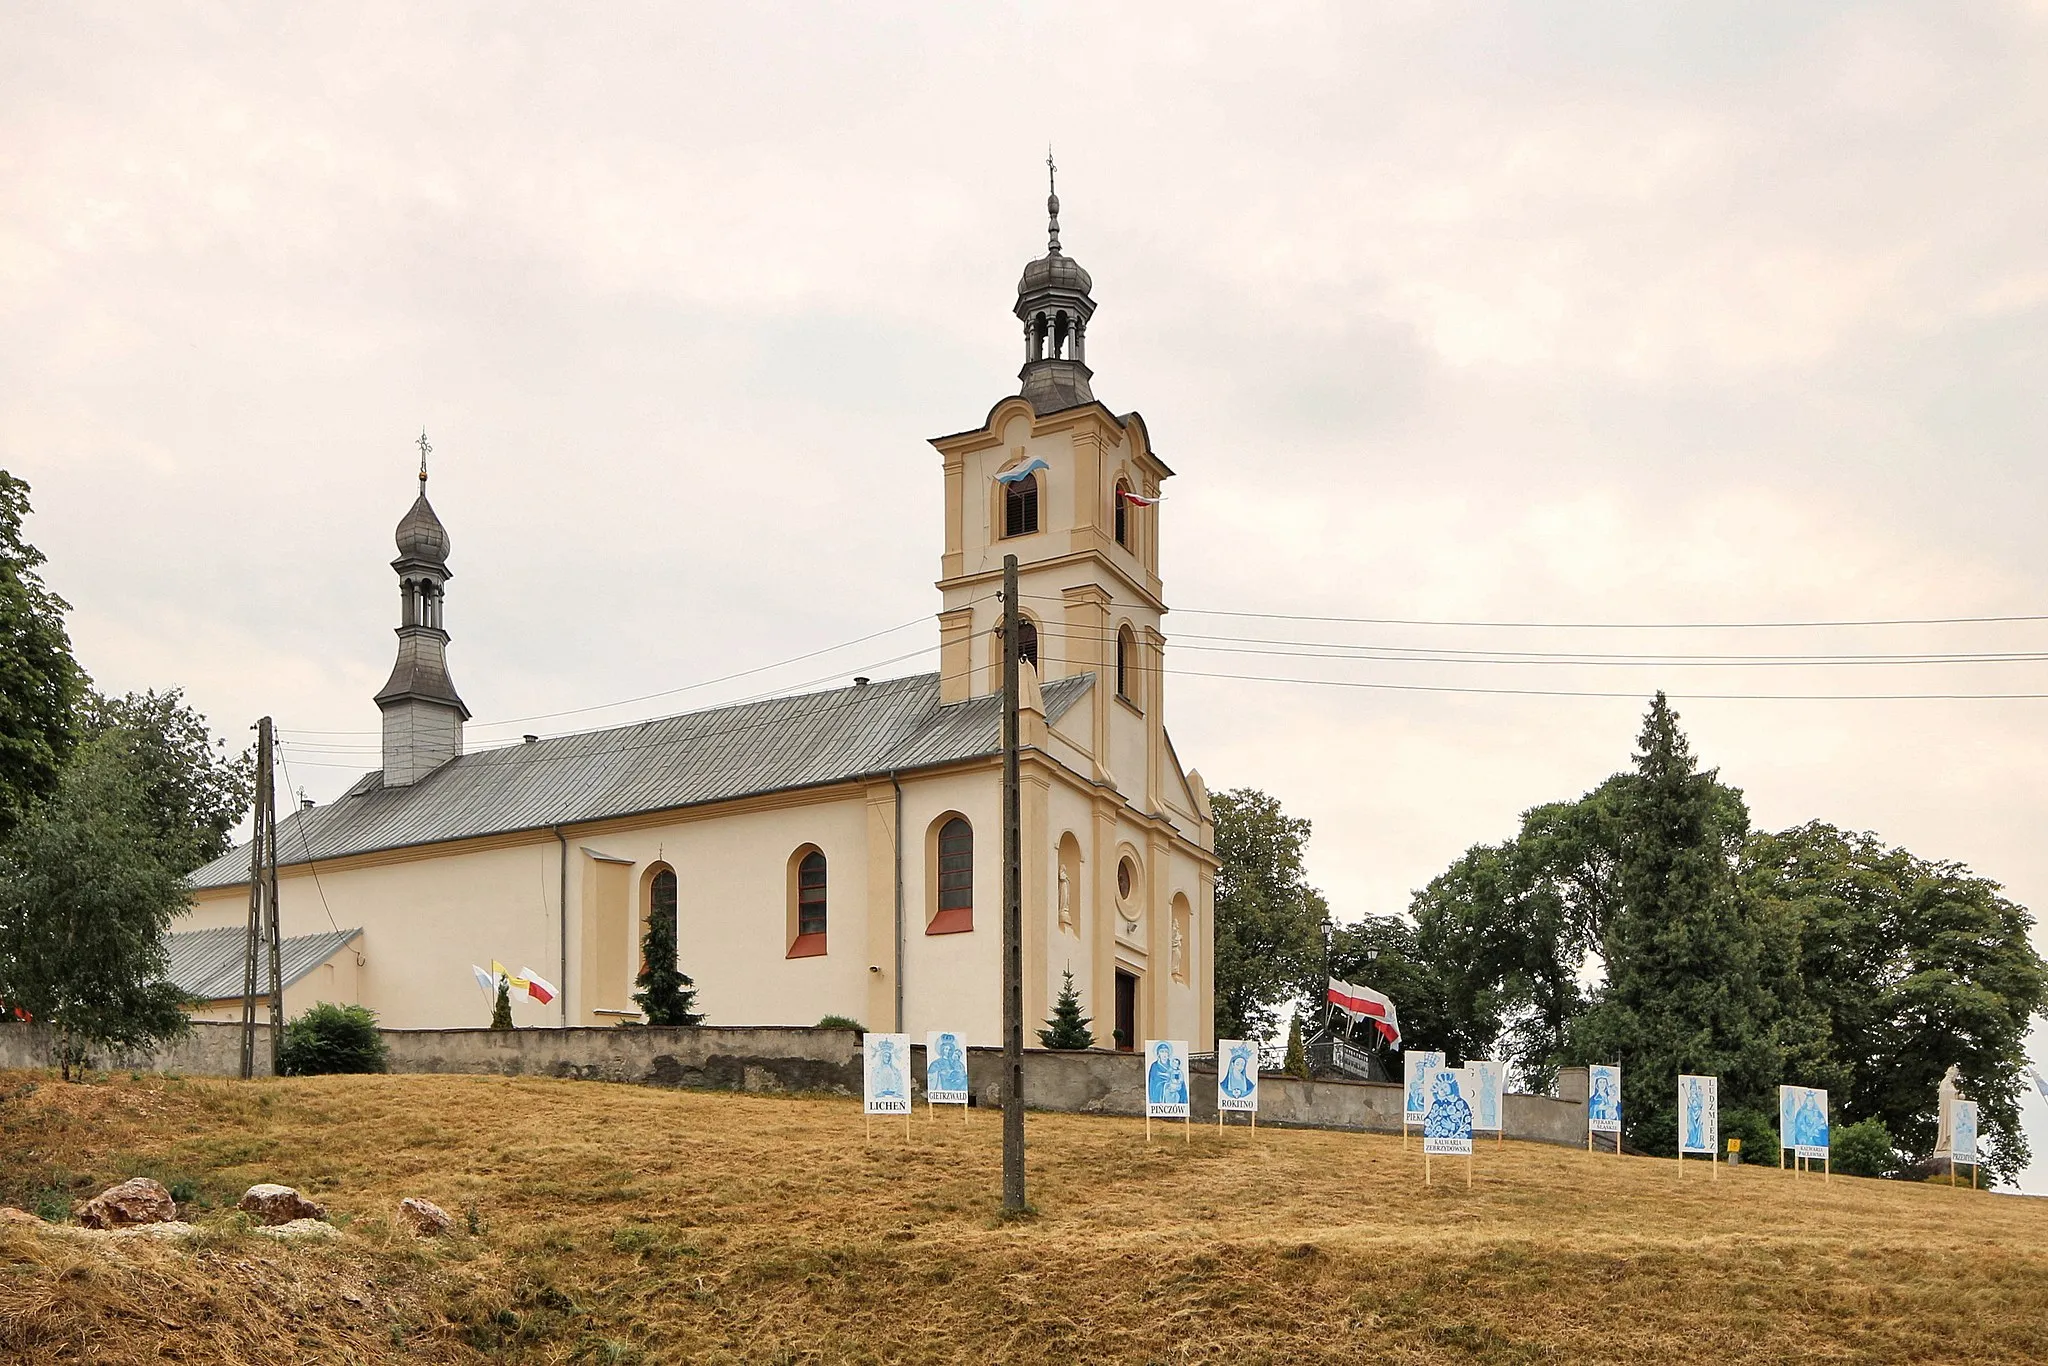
[[1052, 204], [424, 449]]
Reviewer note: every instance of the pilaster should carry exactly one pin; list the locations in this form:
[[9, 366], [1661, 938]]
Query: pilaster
[[879, 936]]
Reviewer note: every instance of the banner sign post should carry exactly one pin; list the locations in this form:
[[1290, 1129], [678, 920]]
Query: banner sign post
[[1237, 1079], [1166, 1084], [885, 1078], [1416, 1066], [1603, 1104], [1803, 1127], [1489, 1096], [945, 1072], [1447, 1122], [1699, 1120], [1962, 1138]]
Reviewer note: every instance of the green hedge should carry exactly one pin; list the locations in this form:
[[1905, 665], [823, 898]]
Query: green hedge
[[331, 1038]]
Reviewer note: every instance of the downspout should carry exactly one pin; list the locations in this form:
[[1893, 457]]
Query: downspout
[[562, 904], [899, 898]]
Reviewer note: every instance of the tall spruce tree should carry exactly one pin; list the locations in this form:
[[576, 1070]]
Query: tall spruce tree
[[667, 996], [501, 1008], [1686, 953], [1067, 1028]]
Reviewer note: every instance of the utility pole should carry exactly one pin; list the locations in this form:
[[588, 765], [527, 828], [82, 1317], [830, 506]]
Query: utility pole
[[1013, 912], [262, 909]]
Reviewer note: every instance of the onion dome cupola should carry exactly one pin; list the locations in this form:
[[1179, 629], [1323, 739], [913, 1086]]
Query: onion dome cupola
[[423, 714], [1054, 303]]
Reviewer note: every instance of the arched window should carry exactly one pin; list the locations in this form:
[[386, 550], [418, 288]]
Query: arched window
[[1126, 662], [1027, 641], [807, 918], [810, 894], [1122, 516], [661, 905], [1020, 506], [953, 878]]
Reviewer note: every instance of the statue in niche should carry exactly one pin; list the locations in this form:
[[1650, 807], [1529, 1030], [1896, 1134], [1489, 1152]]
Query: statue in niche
[[1174, 958], [1066, 900]]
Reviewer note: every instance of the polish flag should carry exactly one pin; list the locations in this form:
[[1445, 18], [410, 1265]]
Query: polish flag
[[1139, 499], [537, 986], [1363, 1003]]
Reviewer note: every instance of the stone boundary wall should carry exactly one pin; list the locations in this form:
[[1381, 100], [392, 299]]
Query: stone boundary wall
[[771, 1059]]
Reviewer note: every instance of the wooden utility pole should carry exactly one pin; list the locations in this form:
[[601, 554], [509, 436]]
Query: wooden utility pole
[[262, 909], [1013, 912]]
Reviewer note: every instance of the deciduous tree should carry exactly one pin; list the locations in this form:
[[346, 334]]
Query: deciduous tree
[[1269, 920], [40, 684]]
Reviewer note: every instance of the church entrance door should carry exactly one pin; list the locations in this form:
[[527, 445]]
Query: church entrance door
[[1126, 1012]]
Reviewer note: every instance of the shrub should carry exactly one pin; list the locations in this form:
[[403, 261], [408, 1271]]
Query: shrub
[[331, 1038], [842, 1022], [1863, 1149], [1758, 1134]]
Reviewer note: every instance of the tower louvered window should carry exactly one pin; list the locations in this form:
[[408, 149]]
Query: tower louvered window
[[1020, 506]]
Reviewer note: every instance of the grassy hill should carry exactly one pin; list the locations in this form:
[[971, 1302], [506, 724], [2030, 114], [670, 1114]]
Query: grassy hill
[[617, 1224]]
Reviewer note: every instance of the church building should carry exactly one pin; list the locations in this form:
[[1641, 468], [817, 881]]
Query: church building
[[836, 852]]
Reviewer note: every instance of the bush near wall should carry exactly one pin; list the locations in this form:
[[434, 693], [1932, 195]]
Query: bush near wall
[[331, 1038]]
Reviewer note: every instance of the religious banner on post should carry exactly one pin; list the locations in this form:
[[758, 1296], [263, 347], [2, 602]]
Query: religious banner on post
[[885, 1074], [1963, 1132], [1166, 1079], [1237, 1077], [1489, 1093], [1803, 1121], [1699, 1115], [1416, 1065], [1603, 1100], [945, 1068], [1447, 1123]]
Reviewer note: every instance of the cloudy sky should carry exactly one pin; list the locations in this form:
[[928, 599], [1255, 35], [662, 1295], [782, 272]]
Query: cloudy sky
[[1589, 313]]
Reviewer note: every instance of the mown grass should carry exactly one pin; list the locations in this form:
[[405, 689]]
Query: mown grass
[[601, 1223]]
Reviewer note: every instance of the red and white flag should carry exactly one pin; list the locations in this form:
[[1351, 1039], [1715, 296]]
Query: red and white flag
[[537, 987], [1139, 499], [1363, 1003]]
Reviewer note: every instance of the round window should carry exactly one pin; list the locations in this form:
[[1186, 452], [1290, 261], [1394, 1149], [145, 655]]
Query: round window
[[1125, 874]]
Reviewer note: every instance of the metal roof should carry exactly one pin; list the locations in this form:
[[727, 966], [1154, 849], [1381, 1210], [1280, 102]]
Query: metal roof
[[718, 755], [208, 964]]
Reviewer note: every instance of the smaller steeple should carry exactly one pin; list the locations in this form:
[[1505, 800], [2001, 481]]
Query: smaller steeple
[[423, 714], [1054, 304]]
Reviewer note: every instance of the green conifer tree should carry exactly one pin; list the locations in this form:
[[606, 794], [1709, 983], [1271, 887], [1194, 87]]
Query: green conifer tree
[[1068, 1027], [1687, 953], [667, 996], [501, 1013], [1296, 1063]]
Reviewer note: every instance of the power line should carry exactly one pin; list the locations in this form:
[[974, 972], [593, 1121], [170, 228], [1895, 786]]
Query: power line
[[1610, 625], [304, 844], [671, 692]]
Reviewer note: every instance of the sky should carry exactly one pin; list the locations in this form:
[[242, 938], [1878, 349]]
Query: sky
[[1610, 313]]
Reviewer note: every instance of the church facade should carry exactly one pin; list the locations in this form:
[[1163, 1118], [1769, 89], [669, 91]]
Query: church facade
[[837, 852]]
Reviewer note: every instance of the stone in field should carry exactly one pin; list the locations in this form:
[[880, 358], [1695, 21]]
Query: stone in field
[[138, 1200], [424, 1217], [272, 1205], [10, 1215], [299, 1228]]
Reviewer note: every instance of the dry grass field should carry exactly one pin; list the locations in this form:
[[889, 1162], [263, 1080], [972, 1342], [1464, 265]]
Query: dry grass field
[[602, 1223]]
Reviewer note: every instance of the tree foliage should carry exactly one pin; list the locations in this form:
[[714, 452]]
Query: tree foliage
[[331, 1038], [1269, 921], [1912, 966], [1688, 974], [1646, 924], [195, 792], [40, 684], [1067, 1028], [85, 903], [667, 996], [501, 1004]]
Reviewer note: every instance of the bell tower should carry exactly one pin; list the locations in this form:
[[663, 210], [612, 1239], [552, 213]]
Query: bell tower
[[1070, 488], [423, 714]]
